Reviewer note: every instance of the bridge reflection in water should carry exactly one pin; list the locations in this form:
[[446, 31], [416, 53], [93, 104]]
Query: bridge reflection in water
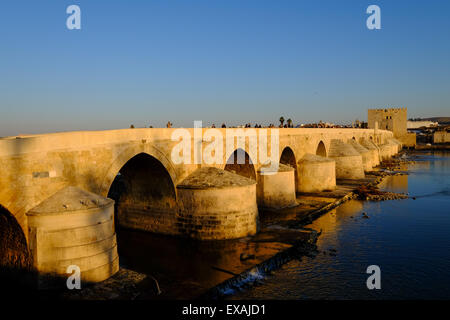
[[186, 268]]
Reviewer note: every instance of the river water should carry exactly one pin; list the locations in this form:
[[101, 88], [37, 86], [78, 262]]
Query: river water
[[408, 239]]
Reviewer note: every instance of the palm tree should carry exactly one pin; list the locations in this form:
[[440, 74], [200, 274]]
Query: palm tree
[[281, 121], [289, 122]]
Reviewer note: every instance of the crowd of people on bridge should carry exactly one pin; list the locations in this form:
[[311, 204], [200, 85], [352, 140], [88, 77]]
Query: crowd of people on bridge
[[283, 124]]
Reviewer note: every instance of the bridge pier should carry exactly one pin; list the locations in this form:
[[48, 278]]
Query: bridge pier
[[373, 149], [365, 155], [277, 190], [386, 151], [316, 174], [215, 204], [397, 143], [73, 227], [349, 163], [393, 148]]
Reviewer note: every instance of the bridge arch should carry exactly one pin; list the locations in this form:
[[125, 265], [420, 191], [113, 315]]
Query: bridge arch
[[321, 150], [14, 254], [246, 169], [143, 181], [120, 161], [288, 158]]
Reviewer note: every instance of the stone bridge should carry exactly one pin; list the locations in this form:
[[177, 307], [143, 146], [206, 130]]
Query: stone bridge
[[52, 183]]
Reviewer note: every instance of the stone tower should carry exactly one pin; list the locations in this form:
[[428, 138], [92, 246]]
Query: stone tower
[[392, 119]]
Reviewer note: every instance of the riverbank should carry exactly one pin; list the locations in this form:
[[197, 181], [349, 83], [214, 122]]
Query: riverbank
[[436, 147], [185, 269]]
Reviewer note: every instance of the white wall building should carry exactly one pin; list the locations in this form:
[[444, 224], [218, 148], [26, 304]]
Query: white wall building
[[418, 124]]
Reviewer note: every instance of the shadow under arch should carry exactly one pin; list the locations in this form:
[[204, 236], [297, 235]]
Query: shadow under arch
[[240, 163], [143, 182], [321, 150], [288, 158], [15, 258], [126, 155]]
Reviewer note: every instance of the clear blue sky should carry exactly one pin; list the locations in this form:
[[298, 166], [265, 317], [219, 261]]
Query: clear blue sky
[[145, 62]]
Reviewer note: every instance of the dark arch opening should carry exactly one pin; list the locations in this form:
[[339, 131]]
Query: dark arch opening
[[321, 151], [288, 158], [240, 163], [15, 260], [143, 186]]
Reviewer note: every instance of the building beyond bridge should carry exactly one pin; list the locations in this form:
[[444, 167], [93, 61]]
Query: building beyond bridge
[[442, 136], [392, 119], [422, 123]]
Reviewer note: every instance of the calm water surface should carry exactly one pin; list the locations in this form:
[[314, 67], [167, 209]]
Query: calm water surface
[[408, 239]]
